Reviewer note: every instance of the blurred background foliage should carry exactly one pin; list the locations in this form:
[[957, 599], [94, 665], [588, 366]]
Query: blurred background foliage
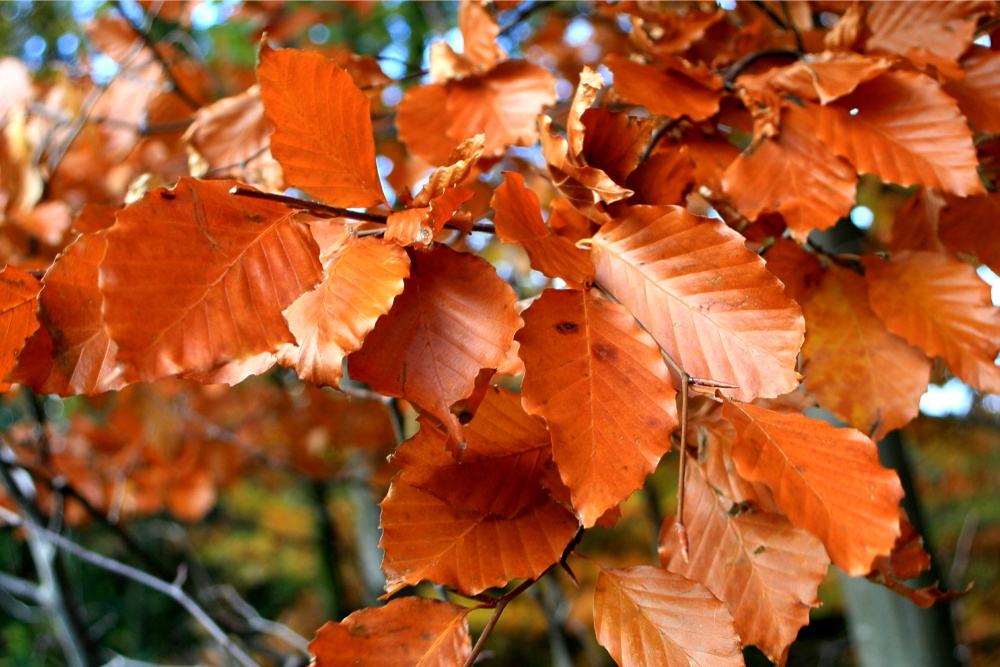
[[300, 551]]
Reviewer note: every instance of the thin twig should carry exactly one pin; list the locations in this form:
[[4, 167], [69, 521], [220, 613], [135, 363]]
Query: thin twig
[[791, 26], [311, 206], [660, 132], [141, 33], [501, 604], [171, 590], [523, 13]]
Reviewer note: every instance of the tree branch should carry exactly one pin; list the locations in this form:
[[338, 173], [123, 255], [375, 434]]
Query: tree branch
[[171, 590], [501, 604], [317, 208]]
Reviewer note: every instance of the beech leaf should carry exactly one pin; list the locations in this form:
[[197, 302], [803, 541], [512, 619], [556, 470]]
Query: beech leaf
[[194, 277], [847, 353], [408, 632], [826, 480], [430, 347], [519, 220], [665, 91], [765, 570], [604, 391], [706, 299], [648, 616], [881, 128], [322, 127], [362, 281], [18, 305], [941, 305], [72, 353]]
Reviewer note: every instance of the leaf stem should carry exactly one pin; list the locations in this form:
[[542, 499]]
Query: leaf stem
[[497, 611]]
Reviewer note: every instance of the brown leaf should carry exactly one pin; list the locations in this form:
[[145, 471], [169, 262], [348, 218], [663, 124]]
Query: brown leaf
[[765, 570], [426, 538], [800, 271], [978, 92], [361, 282], [604, 391], [939, 304], [614, 142], [856, 369], [502, 103], [185, 269], [665, 177], [323, 138], [945, 28], [18, 305], [431, 346], [72, 353], [407, 632], [671, 91], [826, 480], [794, 174], [732, 322], [882, 129], [828, 76], [519, 220], [648, 616]]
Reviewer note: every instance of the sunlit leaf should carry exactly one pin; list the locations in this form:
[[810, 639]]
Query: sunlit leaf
[[322, 128], [826, 480], [604, 391], [704, 297], [939, 304], [407, 632], [665, 91], [648, 616], [18, 305], [194, 277]]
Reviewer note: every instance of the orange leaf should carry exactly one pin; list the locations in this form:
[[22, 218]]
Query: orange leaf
[[939, 304], [854, 366], [18, 304], [648, 616], [426, 538], [604, 391], [408, 632], [666, 91], [978, 92], [432, 344], [882, 128], [519, 220], [502, 103], [828, 76], [794, 174], [330, 322], [800, 271], [945, 28], [765, 570], [704, 297], [72, 353], [826, 480], [502, 462], [194, 277], [230, 138], [665, 177], [322, 127], [969, 225], [614, 142]]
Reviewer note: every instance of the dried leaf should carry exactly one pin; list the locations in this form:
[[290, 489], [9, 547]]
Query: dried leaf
[[186, 267], [939, 304], [732, 322], [432, 344], [794, 174], [407, 632], [322, 139], [856, 369], [648, 616], [614, 142], [978, 92], [72, 353], [519, 220], [18, 304], [826, 480], [882, 129], [765, 570], [945, 28], [666, 91], [604, 391], [361, 282], [828, 76], [664, 178]]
